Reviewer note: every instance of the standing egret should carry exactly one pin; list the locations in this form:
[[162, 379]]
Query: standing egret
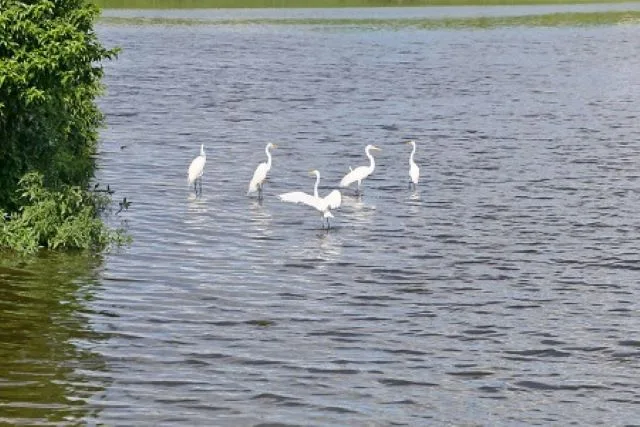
[[361, 172], [196, 168], [260, 173], [322, 204], [414, 170]]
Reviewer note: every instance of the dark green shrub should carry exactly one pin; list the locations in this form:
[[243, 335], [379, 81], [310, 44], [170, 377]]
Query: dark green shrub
[[49, 78], [50, 75], [67, 218]]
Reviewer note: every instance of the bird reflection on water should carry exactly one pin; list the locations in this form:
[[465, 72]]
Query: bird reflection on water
[[357, 210], [261, 220]]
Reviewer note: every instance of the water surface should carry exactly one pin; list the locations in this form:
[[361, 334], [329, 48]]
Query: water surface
[[502, 292]]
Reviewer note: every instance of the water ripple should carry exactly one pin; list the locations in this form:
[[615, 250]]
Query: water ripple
[[509, 274]]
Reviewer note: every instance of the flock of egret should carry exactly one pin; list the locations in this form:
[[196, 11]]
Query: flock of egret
[[324, 205]]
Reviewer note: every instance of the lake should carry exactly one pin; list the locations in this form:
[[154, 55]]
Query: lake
[[503, 291]]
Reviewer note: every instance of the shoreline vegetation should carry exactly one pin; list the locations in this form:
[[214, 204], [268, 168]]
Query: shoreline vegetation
[[543, 20], [50, 76], [309, 4]]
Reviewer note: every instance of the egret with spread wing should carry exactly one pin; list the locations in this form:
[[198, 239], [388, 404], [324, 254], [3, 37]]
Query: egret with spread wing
[[414, 170], [361, 172], [321, 204], [196, 169], [260, 173]]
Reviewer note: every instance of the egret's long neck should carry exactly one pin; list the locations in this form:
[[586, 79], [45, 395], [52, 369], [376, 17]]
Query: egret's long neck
[[413, 151], [315, 188], [202, 150], [266, 150], [372, 163]]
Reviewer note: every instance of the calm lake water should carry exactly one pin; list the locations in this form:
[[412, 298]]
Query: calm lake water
[[504, 291]]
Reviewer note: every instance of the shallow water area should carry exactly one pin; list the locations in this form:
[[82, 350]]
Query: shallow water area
[[503, 291]]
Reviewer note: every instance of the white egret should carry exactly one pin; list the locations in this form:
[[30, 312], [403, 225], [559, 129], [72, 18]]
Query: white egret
[[196, 169], [322, 204], [414, 170], [260, 173], [361, 172]]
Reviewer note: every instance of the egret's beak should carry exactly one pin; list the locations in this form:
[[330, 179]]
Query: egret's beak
[[274, 146], [313, 171], [376, 148]]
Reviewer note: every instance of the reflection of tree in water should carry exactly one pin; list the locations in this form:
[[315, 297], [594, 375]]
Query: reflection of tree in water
[[43, 371]]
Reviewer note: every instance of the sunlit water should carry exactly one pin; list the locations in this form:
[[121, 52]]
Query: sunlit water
[[503, 291]]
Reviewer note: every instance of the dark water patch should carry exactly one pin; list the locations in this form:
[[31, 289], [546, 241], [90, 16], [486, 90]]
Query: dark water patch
[[333, 371], [277, 425], [471, 374], [337, 334], [400, 402], [537, 385], [275, 398], [490, 389], [552, 342], [629, 343], [263, 323], [414, 290], [339, 410], [550, 352], [625, 354], [395, 382], [479, 332], [409, 352], [522, 306], [586, 349]]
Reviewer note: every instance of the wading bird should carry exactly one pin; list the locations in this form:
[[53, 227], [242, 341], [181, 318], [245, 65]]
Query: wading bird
[[414, 170], [261, 173], [321, 204], [361, 172], [124, 205], [196, 168]]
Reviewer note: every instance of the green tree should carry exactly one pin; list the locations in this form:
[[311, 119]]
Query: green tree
[[50, 75]]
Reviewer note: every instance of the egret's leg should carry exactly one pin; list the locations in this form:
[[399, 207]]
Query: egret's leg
[[328, 224], [201, 186], [195, 188], [259, 191]]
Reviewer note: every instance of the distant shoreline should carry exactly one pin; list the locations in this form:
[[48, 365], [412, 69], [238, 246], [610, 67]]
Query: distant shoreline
[[546, 20], [310, 4]]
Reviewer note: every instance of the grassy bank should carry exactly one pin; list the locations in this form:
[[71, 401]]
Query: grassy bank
[[196, 4], [548, 20]]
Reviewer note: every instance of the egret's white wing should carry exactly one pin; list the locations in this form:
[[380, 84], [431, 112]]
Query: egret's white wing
[[258, 176], [333, 199], [304, 198], [356, 174], [196, 168], [414, 172]]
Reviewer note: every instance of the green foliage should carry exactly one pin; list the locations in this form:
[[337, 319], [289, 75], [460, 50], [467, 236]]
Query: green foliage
[[49, 77], [67, 218]]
